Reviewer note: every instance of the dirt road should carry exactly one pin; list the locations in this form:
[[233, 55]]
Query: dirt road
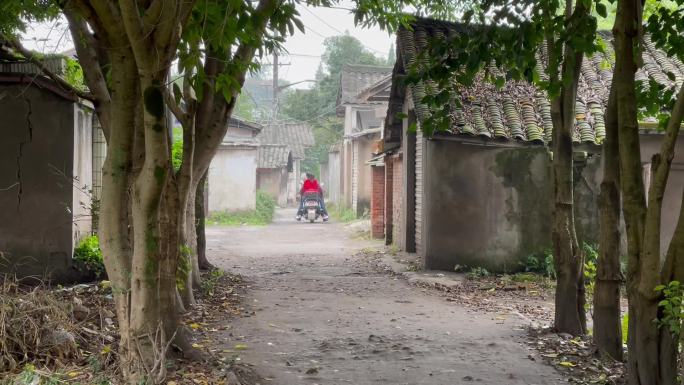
[[323, 315]]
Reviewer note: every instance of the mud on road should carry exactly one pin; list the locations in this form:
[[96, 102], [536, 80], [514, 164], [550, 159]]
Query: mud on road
[[320, 313]]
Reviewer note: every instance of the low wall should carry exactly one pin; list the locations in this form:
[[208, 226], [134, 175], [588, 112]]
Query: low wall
[[491, 206]]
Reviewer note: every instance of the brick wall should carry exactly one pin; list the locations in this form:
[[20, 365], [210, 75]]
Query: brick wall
[[377, 210]]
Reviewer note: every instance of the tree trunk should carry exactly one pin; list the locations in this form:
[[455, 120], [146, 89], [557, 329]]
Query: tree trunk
[[651, 359], [607, 315], [116, 180], [570, 299], [191, 234], [204, 263], [153, 268]]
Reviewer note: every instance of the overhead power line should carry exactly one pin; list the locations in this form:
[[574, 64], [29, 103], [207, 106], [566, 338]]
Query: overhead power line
[[337, 30]]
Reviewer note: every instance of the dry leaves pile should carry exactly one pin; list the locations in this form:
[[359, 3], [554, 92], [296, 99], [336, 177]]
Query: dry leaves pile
[[576, 358], [70, 335], [60, 334]]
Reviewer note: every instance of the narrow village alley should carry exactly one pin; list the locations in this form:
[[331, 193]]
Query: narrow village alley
[[322, 314]]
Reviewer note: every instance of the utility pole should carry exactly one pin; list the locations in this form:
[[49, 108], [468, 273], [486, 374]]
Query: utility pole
[[275, 83]]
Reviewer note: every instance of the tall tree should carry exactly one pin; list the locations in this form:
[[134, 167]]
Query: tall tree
[[214, 74], [652, 350], [549, 43]]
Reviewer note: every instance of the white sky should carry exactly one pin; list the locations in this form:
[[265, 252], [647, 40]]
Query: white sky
[[304, 50]]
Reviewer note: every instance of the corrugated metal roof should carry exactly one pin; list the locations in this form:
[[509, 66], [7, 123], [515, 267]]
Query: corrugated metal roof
[[519, 110]]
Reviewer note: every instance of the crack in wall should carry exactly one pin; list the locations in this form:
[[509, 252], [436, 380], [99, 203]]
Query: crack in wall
[[20, 154]]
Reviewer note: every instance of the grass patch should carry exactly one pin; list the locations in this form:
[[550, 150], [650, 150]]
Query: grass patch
[[262, 215], [341, 213]]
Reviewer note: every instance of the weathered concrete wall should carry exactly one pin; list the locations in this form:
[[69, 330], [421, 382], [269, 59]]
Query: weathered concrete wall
[[491, 206], [232, 179], [36, 200], [398, 222], [274, 182], [650, 145], [346, 188], [334, 177], [363, 184], [82, 173]]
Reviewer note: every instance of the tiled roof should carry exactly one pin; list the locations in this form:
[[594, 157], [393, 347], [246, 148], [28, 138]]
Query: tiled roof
[[519, 110], [376, 92], [355, 78], [297, 136], [273, 156], [236, 121]]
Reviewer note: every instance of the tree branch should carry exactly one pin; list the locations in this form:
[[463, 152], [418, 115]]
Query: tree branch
[[31, 57], [86, 48], [176, 109], [135, 32]]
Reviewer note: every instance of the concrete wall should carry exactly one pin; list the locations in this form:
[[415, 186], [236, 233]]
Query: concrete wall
[[364, 152], [334, 177], [232, 179], [294, 181], [398, 221], [36, 201], [324, 179], [274, 182], [491, 206], [650, 145], [82, 173], [346, 173]]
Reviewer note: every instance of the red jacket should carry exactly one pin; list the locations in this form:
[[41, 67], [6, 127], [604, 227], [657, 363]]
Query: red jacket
[[310, 186]]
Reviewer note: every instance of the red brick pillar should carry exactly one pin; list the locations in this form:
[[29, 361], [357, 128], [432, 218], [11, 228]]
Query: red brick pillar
[[377, 211]]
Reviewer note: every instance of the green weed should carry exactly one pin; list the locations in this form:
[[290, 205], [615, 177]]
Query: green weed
[[262, 215], [89, 255], [341, 213], [210, 282]]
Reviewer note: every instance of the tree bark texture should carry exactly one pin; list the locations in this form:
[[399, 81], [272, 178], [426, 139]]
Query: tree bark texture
[[607, 315], [140, 223], [652, 356], [204, 263], [570, 316]]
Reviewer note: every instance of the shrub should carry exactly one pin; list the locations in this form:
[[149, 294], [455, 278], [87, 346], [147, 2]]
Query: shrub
[[541, 263], [88, 253]]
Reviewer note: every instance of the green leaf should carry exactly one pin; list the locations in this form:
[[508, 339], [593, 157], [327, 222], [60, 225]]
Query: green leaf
[[601, 10]]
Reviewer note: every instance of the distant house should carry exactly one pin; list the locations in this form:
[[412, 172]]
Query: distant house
[[362, 102], [297, 137], [274, 166], [481, 193], [51, 155], [232, 179]]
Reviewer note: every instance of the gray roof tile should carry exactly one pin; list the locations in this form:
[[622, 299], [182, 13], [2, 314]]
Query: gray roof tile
[[356, 78], [273, 156], [297, 136], [519, 110]]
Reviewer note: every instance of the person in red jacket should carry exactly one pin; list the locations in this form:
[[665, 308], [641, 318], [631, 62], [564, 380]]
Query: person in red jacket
[[311, 185]]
